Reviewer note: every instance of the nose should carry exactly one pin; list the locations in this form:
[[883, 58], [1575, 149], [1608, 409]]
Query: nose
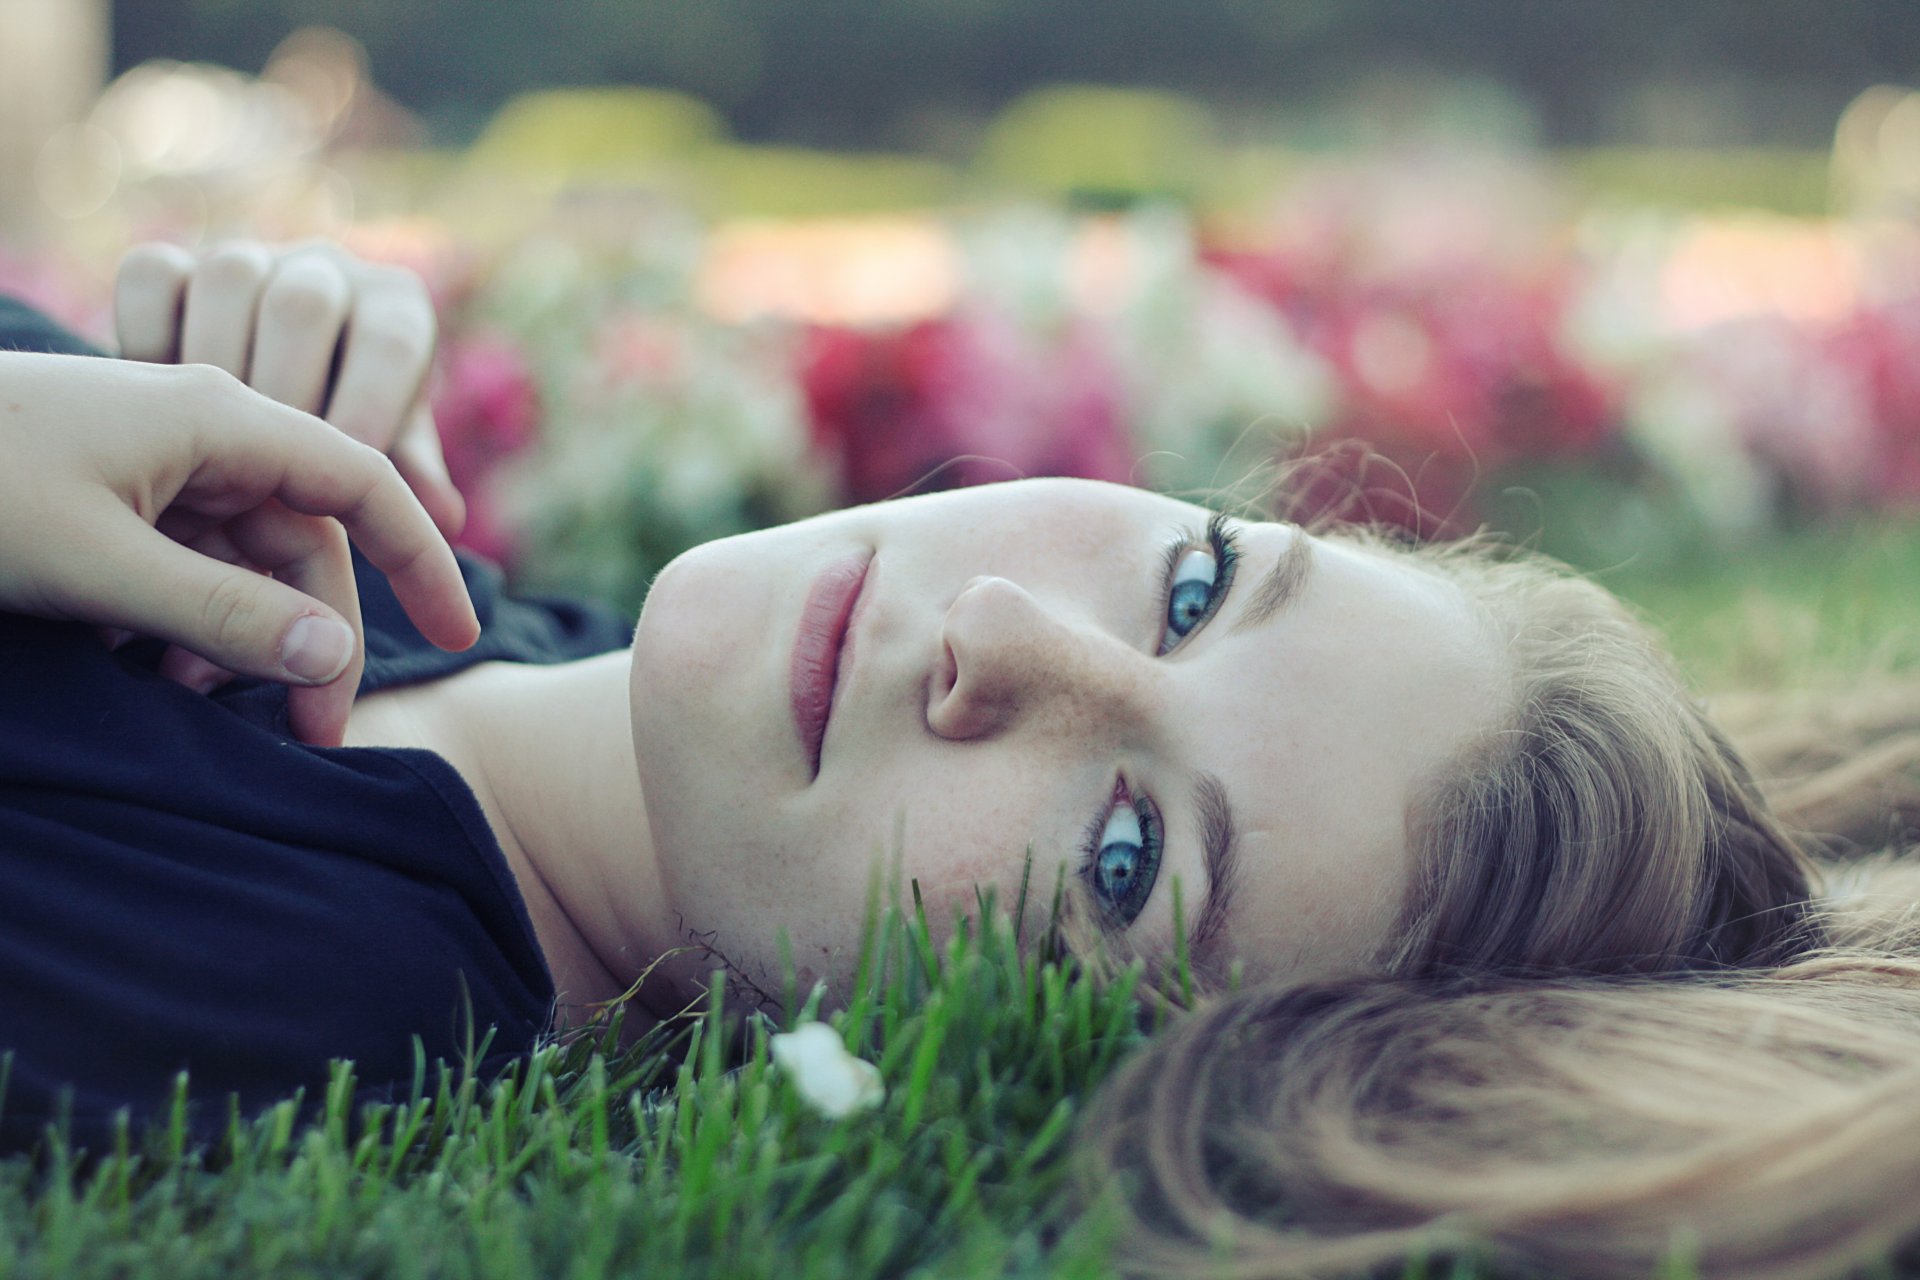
[[1005, 659]]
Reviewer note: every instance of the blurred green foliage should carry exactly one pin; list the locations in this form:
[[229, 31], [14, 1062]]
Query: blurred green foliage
[[1100, 147], [612, 134], [1781, 179], [1079, 146], [622, 137]]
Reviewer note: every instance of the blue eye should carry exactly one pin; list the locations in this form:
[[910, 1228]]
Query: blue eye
[[1198, 579], [1122, 857], [1191, 595]]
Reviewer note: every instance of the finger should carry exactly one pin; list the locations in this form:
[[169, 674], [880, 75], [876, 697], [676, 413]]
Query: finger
[[223, 297], [250, 449], [244, 621], [309, 554], [216, 542], [421, 463], [148, 294], [183, 666], [302, 308], [205, 532], [389, 349]]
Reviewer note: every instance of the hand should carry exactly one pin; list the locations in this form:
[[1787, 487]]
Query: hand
[[135, 496], [312, 327]]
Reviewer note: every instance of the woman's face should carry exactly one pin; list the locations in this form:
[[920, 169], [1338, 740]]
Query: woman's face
[[1067, 668]]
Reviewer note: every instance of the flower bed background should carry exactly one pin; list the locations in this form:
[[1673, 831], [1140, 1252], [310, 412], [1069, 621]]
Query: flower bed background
[[1464, 335]]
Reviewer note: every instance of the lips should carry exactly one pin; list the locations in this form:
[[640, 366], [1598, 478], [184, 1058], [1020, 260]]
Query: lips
[[818, 646]]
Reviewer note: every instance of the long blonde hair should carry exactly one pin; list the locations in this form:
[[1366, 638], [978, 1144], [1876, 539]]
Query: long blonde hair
[[1639, 1002]]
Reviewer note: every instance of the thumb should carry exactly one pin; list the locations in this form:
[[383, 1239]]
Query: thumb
[[233, 617], [315, 648]]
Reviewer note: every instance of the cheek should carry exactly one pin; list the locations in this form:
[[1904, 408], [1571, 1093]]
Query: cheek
[[951, 824], [705, 708], [959, 844], [697, 609]]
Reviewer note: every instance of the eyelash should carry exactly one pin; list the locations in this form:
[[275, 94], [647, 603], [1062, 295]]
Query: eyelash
[[1226, 555], [1150, 849]]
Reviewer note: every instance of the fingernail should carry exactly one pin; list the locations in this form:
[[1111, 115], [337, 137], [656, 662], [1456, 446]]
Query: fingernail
[[316, 649]]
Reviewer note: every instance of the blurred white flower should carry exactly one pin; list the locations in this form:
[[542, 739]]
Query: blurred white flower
[[831, 1080]]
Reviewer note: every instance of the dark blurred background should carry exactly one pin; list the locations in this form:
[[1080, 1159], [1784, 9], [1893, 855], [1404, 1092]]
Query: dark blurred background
[[922, 73]]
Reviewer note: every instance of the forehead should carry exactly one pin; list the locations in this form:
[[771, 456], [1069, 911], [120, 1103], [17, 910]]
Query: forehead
[[1340, 711], [1060, 504]]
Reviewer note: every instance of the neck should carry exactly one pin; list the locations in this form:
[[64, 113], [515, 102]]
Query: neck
[[548, 752]]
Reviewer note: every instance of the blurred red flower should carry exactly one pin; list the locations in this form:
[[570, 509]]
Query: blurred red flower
[[961, 400], [1441, 376]]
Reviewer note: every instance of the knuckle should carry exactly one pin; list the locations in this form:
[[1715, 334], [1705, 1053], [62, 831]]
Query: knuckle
[[153, 265], [321, 249], [396, 345], [372, 478], [234, 266], [206, 382], [303, 301], [227, 615], [405, 294], [384, 474], [360, 460]]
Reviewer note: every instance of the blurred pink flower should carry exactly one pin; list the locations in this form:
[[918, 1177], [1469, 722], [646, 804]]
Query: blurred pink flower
[[1883, 347], [1443, 373], [962, 400], [488, 411], [1798, 396]]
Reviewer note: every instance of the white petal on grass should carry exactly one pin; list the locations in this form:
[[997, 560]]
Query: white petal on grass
[[830, 1080]]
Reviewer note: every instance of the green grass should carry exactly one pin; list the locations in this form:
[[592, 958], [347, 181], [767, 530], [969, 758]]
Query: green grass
[[1818, 606], [692, 1156], [687, 1155]]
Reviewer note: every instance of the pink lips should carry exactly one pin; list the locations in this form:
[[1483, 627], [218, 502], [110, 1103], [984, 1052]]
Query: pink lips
[[817, 648]]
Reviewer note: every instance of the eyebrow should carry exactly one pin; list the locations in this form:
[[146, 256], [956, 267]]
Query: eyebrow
[[1222, 857], [1282, 585], [1219, 841]]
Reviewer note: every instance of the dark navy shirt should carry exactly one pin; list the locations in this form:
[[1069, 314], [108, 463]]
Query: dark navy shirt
[[183, 886]]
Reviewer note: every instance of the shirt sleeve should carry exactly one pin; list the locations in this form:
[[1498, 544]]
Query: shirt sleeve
[[24, 329]]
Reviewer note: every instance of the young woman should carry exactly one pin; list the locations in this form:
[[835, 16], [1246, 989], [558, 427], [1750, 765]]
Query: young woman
[[1085, 676], [1368, 768]]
